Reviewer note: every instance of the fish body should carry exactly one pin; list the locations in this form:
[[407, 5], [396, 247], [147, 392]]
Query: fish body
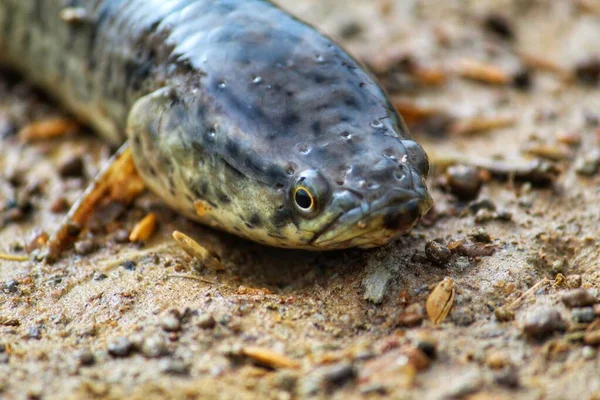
[[238, 115]]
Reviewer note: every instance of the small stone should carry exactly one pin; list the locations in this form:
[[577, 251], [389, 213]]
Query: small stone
[[574, 281], [84, 247], [579, 298], [287, 381], [543, 322], [34, 332], [592, 338], [583, 315], [122, 236], [206, 321], [483, 204], [464, 181], [409, 319], [427, 345], [588, 353], [481, 235], [522, 79], [98, 276], [59, 205], [335, 375], [170, 323], [4, 358], [71, 167], [499, 25], [11, 286], [503, 314], [588, 72], [174, 367], [120, 347], [437, 253], [462, 316], [508, 377], [129, 265], [497, 360], [154, 347], [86, 358]]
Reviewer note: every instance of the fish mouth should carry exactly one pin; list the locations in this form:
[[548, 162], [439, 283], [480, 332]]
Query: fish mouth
[[383, 221]]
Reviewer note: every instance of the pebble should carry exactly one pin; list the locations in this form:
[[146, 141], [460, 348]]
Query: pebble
[[588, 72], [120, 347], [543, 322], [11, 286], [578, 298], [499, 25], [464, 181], [71, 167], [583, 315], [34, 332], [522, 79], [483, 204], [508, 377], [122, 236], [84, 247], [497, 360], [174, 366], [154, 346], [437, 253], [287, 381], [170, 323], [59, 205], [328, 378], [206, 321], [129, 265], [98, 276], [592, 338], [588, 353], [588, 164], [409, 319], [4, 358], [481, 235], [86, 358]]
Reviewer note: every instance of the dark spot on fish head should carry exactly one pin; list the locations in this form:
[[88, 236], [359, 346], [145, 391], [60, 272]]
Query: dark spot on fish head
[[416, 157], [255, 220], [281, 217]]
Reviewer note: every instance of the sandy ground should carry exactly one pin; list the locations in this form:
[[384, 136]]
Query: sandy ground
[[126, 320]]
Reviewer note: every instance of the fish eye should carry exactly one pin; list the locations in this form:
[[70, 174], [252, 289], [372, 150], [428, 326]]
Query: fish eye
[[309, 193], [303, 198]]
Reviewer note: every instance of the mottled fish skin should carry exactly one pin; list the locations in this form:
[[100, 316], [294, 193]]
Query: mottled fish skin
[[239, 115]]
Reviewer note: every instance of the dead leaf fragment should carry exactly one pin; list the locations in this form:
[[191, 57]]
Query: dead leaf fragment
[[269, 358], [440, 301], [143, 229]]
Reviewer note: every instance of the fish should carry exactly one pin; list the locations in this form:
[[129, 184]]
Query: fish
[[237, 114]]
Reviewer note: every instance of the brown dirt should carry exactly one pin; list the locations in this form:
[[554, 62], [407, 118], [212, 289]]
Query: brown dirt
[[340, 315]]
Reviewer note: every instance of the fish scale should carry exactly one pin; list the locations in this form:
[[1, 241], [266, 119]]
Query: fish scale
[[234, 108]]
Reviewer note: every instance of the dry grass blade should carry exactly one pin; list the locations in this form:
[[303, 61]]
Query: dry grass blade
[[269, 358], [13, 257], [475, 125], [197, 252], [47, 129]]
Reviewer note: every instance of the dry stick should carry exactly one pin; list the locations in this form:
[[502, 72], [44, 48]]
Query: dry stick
[[517, 303], [190, 276]]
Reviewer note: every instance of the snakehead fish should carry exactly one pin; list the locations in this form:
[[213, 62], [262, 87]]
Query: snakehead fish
[[237, 114]]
